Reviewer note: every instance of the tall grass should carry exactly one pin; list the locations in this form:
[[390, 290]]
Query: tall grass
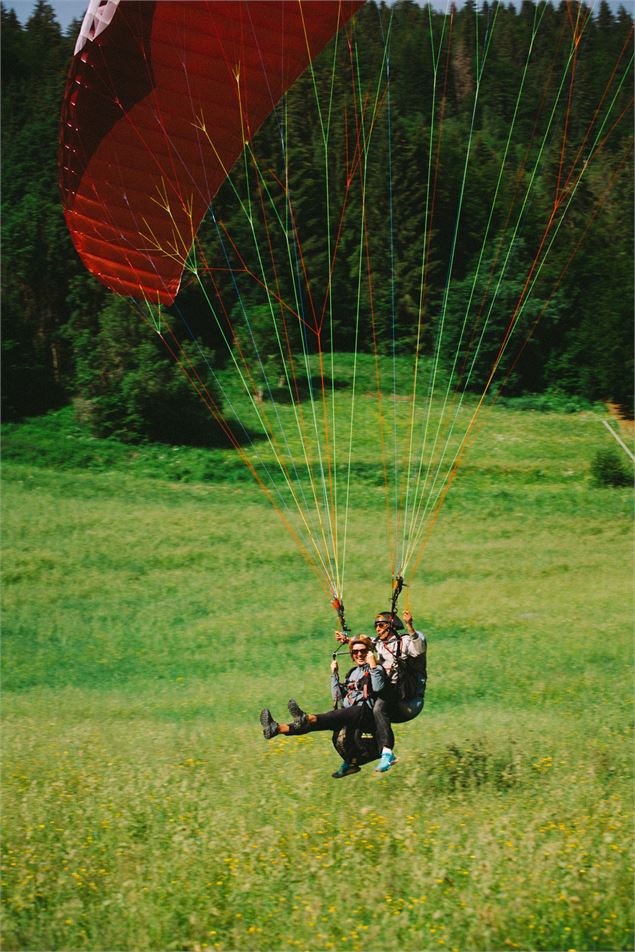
[[153, 604]]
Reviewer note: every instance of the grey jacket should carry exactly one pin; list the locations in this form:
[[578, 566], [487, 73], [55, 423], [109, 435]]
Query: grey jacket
[[350, 692], [412, 646]]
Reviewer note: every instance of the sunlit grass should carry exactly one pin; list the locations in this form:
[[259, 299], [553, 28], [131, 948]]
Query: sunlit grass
[[149, 616]]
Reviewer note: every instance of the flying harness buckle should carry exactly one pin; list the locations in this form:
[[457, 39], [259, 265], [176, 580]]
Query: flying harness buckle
[[338, 605], [397, 586]]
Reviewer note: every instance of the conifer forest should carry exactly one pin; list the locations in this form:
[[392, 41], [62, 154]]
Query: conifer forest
[[439, 98]]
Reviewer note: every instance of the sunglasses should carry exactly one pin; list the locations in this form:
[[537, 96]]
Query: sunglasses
[[360, 651]]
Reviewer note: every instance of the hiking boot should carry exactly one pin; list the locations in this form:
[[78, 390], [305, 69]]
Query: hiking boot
[[345, 769], [269, 726], [385, 762], [300, 719]]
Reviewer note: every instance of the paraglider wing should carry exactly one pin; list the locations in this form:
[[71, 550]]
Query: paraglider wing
[[160, 101]]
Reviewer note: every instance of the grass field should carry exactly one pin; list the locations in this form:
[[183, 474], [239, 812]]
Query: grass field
[[153, 604]]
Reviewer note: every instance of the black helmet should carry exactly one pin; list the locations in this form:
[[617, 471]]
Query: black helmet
[[389, 618]]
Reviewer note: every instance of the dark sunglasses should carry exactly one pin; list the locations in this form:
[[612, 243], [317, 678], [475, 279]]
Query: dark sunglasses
[[360, 651]]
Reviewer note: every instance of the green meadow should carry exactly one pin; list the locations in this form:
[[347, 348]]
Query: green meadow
[[153, 603]]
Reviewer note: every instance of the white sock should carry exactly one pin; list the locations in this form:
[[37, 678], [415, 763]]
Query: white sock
[[386, 750]]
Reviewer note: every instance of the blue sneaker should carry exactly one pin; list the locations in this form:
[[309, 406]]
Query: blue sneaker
[[385, 762], [345, 769]]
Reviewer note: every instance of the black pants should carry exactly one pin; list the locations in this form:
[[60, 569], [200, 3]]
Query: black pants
[[356, 717], [390, 709]]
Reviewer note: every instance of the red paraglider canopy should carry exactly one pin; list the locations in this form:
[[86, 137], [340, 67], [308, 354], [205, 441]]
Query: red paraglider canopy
[[160, 100]]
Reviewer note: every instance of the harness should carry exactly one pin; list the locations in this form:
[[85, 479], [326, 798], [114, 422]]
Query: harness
[[410, 670], [354, 686]]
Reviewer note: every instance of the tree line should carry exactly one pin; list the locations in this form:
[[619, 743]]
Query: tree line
[[65, 338]]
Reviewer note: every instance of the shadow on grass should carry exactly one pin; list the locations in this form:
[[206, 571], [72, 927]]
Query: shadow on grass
[[304, 388]]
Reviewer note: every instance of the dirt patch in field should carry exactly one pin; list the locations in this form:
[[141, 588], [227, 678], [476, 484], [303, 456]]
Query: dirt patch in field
[[626, 424]]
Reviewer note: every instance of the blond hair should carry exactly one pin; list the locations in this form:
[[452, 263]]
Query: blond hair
[[360, 640]]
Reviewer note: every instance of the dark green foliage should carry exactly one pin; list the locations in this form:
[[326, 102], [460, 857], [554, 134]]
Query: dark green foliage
[[465, 768], [570, 321], [38, 259], [127, 386], [610, 468], [550, 401], [574, 332]]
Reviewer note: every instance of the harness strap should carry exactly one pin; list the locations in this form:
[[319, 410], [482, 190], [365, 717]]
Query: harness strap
[[354, 685], [396, 592]]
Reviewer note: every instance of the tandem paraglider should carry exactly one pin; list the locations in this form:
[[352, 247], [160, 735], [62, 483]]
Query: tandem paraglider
[[386, 685]]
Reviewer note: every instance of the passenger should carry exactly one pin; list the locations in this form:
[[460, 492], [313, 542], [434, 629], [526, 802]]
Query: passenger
[[357, 694]]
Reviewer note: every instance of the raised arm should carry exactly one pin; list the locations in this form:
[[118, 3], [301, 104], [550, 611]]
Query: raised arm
[[377, 672], [418, 642]]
